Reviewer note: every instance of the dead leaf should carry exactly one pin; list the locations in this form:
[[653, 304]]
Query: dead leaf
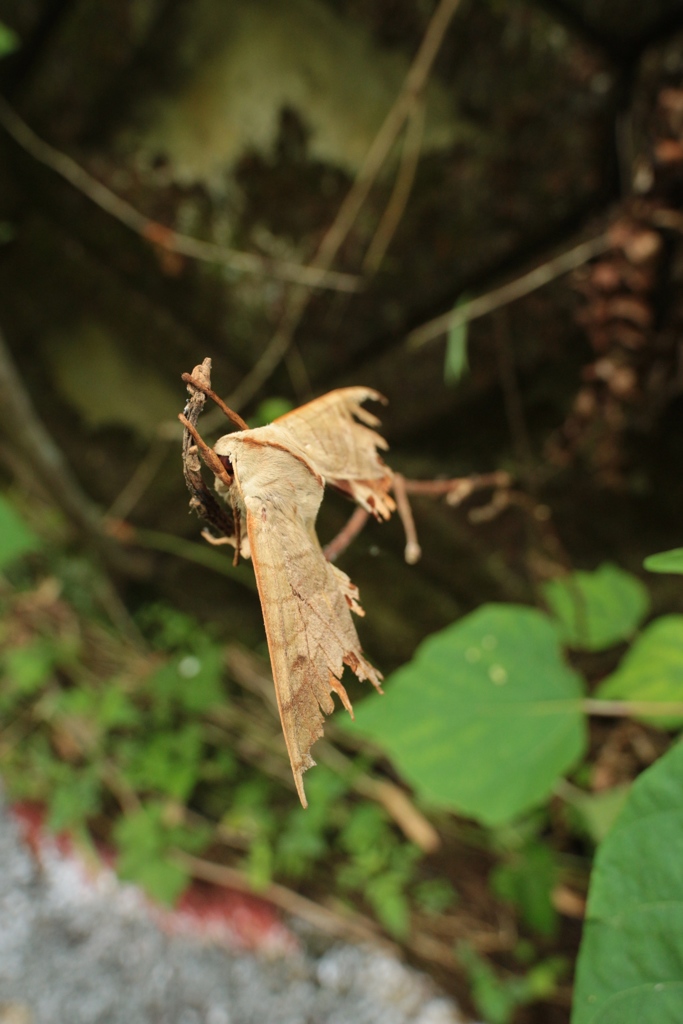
[[273, 478]]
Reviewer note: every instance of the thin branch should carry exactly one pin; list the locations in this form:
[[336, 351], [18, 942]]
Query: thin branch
[[142, 477], [347, 534], [395, 209], [457, 489], [229, 413], [158, 234], [517, 289], [413, 551], [350, 925]]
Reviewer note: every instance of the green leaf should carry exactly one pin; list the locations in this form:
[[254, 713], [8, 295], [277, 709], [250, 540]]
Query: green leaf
[[666, 561], [168, 762], [455, 362], [595, 813], [651, 670], [597, 609], [16, 539], [630, 967], [527, 880], [146, 843], [270, 409], [193, 681], [486, 716], [74, 799], [9, 40], [386, 895], [29, 668]]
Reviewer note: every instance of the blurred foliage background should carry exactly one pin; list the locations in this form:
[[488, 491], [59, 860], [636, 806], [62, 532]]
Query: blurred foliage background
[[296, 191]]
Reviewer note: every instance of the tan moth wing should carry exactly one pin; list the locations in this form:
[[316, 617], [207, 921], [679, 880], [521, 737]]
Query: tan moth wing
[[306, 601], [343, 450], [279, 474]]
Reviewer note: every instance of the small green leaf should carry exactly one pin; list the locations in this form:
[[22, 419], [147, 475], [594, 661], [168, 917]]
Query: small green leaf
[[455, 362], [386, 895], [9, 40], [270, 409], [29, 668], [74, 799], [665, 561], [146, 844], [527, 880], [630, 967], [435, 895], [485, 717], [16, 539], [597, 609], [595, 813], [651, 670]]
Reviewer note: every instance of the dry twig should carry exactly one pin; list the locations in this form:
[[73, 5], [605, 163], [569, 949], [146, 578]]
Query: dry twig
[[159, 235], [517, 289]]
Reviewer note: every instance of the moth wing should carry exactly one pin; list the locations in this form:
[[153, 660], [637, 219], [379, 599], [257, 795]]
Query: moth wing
[[306, 602], [335, 433]]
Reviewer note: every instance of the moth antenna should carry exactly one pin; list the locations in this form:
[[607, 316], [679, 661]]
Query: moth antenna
[[208, 454], [210, 393]]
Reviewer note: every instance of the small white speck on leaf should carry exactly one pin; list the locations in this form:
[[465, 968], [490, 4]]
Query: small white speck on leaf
[[498, 675]]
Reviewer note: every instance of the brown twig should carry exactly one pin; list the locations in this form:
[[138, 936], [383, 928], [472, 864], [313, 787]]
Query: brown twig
[[200, 385], [347, 534], [158, 234], [517, 289], [413, 551], [351, 925], [629, 708], [202, 500], [457, 489], [455, 492], [395, 209]]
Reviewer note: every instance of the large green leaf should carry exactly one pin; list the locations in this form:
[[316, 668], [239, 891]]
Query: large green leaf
[[15, 538], [597, 609], [652, 670], [665, 561], [630, 968], [485, 717]]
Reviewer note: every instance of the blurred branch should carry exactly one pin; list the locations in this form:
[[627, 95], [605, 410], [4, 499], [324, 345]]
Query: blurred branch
[[350, 925], [157, 234], [33, 442], [391, 218], [517, 289]]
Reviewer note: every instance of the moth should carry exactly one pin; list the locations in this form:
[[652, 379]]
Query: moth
[[273, 479]]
